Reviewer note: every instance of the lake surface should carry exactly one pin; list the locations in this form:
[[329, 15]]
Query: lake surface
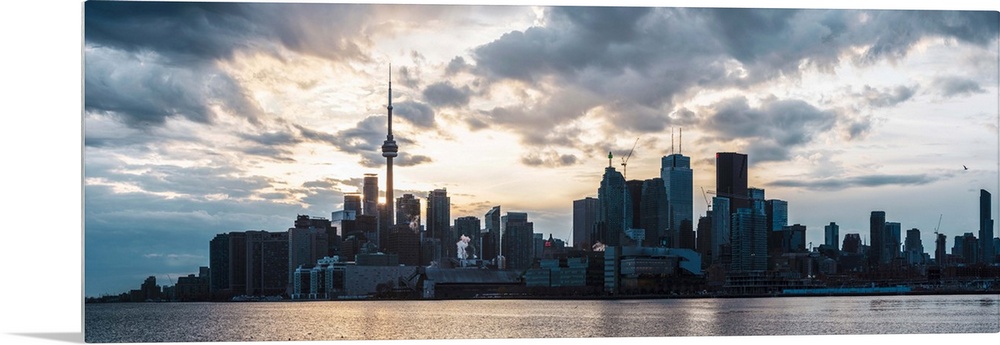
[[496, 319]]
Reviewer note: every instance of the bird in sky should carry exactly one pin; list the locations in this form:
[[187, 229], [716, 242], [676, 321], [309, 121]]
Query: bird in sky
[[966, 168]]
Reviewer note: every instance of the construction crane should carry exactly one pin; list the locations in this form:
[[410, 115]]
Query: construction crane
[[708, 205], [625, 159], [939, 224]]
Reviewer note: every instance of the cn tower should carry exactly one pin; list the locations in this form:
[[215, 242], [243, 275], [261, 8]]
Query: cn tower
[[389, 150]]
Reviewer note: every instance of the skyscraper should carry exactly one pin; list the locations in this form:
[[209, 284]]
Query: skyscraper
[[914, 247], [439, 220], [352, 202], [389, 150], [675, 170], [731, 178], [831, 234], [614, 210], [985, 228], [518, 235], [721, 219], [468, 226], [894, 239], [749, 240], [877, 237], [777, 214], [408, 210], [635, 200], [655, 212], [491, 235], [369, 190], [584, 218]]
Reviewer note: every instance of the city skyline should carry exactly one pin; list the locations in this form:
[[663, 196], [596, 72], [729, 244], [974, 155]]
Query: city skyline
[[835, 129]]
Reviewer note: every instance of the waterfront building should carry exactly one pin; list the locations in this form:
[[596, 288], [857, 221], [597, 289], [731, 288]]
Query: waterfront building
[[831, 235], [306, 243], [584, 219], [749, 240], [614, 209], [677, 176], [266, 263], [986, 248]]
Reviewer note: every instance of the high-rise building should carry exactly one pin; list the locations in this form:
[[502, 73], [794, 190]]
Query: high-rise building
[[352, 202], [777, 214], [614, 214], [408, 210], [517, 240], [635, 200], [877, 237], [675, 170], [894, 241], [306, 244], [986, 249], [968, 248], [468, 226], [731, 179], [439, 220], [266, 263], [749, 240], [491, 233], [655, 212], [831, 234], [721, 218], [940, 255], [584, 218], [704, 241], [369, 202], [852, 243], [914, 247]]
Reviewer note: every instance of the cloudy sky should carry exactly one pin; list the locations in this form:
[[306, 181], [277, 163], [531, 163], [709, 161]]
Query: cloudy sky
[[201, 119]]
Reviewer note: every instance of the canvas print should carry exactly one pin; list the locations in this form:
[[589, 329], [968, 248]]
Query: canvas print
[[328, 171]]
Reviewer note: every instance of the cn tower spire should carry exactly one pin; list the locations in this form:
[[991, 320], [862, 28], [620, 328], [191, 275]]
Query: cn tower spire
[[389, 151]]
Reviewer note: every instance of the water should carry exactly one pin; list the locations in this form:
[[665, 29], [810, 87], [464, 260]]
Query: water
[[495, 319]]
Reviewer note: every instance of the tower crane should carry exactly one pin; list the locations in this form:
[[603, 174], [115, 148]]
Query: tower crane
[[939, 224], [708, 205], [625, 159]]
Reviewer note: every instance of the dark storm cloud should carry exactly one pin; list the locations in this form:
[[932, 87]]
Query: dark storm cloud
[[860, 181], [142, 91], [646, 58], [187, 32], [773, 129], [955, 86], [445, 94]]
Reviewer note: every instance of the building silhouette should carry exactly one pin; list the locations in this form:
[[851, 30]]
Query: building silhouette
[[831, 235], [369, 190], [731, 179], [986, 249], [655, 212], [468, 226], [408, 210], [491, 233], [439, 221], [634, 188], [777, 214], [517, 242], [675, 170], [749, 235], [614, 209], [877, 235], [894, 241], [721, 235], [584, 219], [913, 251], [352, 202]]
